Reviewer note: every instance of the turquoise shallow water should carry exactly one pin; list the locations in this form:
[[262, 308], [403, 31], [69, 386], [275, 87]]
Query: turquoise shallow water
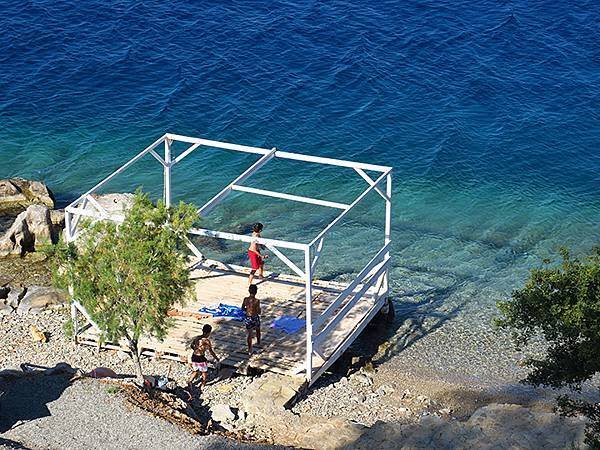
[[487, 111]]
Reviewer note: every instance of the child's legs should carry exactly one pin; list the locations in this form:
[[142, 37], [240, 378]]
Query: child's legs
[[258, 335], [261, 268], [249, 339], [204, 379], [251, 277], [193, 377]]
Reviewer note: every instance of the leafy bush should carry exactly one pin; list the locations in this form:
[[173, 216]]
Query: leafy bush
[[561, 303], [128, 276]]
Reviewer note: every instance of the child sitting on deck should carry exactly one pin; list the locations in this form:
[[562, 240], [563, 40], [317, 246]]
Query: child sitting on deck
[[251, 307], [200, 345]]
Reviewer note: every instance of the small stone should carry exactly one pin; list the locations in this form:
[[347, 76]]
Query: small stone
[[37, 334], [384, 390], [445, 411], [225, 388], [406, 393], [343, 381], [221, 413]]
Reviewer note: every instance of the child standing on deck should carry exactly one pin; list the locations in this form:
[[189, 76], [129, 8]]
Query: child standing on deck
[[200, 345], [257, 259], [251, 307]]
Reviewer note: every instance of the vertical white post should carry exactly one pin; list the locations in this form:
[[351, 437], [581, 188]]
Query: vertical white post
[[68, 230], [388, 228], [309, 328], [167, 171], [69, 238]]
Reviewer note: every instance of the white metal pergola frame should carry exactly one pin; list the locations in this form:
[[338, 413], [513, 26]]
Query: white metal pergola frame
[[373, 276]]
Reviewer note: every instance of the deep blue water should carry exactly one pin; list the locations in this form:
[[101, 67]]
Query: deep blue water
[[488, 112]]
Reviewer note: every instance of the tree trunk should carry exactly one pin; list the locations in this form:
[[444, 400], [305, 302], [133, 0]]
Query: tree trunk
[[137, 364]]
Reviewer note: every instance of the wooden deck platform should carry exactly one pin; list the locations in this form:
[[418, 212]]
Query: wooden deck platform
[[280, 352]]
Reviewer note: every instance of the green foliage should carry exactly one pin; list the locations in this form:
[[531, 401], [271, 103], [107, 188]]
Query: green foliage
[[128, 276], [562, 304], [112, 389], [569, 407], [68, 328]]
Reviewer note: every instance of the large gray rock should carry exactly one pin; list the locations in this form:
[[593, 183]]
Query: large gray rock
[[20, 193], [270, 393], [222, 413], [31, 229], [491, 426], [39, 298], [15, 295], [117, 203], [5, 308]]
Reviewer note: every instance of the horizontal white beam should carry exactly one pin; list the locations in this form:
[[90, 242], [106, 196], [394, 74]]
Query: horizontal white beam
[[352, 205], [217, 144], [296, 198], [331, 161], [244, 238], [279, 154], [132, 161], [205, 209], [93, 214]]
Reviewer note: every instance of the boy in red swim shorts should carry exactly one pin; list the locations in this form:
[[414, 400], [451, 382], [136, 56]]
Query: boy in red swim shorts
[[257, 259]]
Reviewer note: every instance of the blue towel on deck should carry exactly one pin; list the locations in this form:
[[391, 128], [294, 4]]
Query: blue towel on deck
[[223, 310], [289, 324]]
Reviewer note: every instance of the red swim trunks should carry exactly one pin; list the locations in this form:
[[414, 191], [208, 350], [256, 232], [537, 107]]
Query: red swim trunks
[[255, 260]]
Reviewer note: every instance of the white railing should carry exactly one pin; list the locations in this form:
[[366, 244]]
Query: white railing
[[373, 276]]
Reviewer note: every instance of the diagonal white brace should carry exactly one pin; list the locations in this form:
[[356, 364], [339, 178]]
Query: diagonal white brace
[[371, 182], [184, 154], [317, 254], [197, 253], [96, 205], [157, 157], [286, 260], [208, 206]]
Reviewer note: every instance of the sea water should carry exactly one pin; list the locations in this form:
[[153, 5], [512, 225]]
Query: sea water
[[488, 112]]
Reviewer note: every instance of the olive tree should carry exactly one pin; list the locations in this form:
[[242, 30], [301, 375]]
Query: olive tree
[[562, 304], [127, 276]]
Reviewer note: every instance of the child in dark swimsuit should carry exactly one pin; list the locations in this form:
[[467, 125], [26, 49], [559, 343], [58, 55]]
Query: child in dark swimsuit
[[200, 345], [251, 306]]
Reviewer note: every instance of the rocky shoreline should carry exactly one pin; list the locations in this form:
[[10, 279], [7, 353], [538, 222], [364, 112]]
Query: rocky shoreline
[[364, 402]]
